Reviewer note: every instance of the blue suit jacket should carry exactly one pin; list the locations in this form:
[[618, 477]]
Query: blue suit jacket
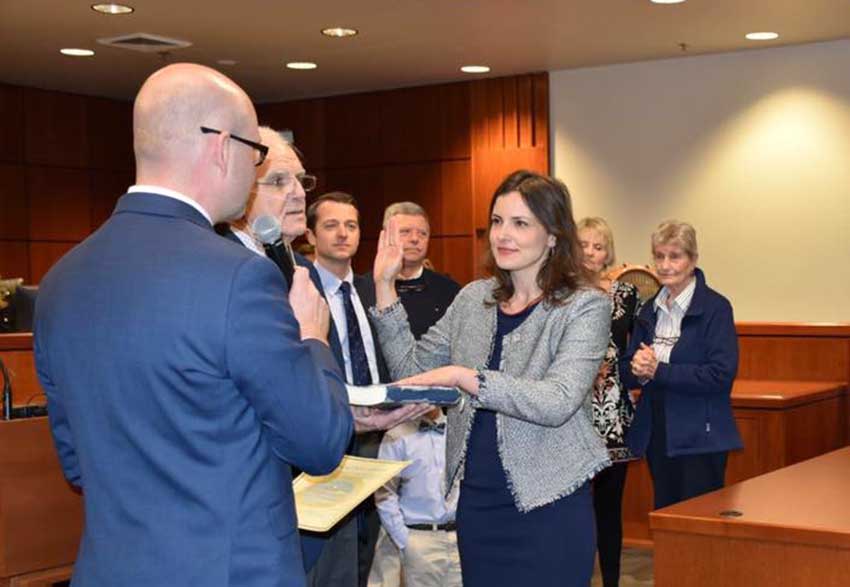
[[177, 397], [696, 384]]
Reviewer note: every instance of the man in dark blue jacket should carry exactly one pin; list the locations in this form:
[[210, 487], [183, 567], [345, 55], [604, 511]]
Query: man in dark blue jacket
[[181, 396]]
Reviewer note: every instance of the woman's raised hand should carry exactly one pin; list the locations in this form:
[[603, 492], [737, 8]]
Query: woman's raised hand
[[388, 263]]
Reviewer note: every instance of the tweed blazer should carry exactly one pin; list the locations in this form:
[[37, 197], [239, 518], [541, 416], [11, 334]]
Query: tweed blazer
[[541, 392]]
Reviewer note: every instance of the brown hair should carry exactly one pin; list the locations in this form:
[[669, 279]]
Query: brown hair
[[549, 200], [338, 197], [680, 234]]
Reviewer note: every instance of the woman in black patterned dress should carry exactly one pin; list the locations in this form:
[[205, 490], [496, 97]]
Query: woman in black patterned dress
[[612, 406]]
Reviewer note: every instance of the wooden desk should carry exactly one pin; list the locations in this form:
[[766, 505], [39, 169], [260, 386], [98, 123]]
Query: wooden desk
[[41, 517], [781, 423], [793, 531]]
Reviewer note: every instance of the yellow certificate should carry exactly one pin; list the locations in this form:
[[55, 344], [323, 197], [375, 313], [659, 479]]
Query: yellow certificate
[[321, 502]]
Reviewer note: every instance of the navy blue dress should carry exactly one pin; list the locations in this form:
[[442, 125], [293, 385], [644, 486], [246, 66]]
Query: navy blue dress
[[550, 545]]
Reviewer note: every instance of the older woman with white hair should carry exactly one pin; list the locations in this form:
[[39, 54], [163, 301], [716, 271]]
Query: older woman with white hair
[[683, 353]]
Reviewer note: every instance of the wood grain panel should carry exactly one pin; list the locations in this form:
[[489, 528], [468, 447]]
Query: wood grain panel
[[41, 516], [306, 120], [110, 133], [15, 260], [511, 112], [490, 168], [525, 106], [14, 204], [773, 329], [816, 429], [540, 83], [455, 138], [106, 187], [351, 122], [55, 129], [420, 183], [453, 256], [411, 125], [815, 359], [366, 184], [456, 198], [26, 389], [60, 203], [43, 255], [11, 124]]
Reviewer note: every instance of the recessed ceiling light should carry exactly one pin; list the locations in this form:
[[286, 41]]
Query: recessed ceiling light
[[227, 62], [301, 65], [667, 1], [475, 69], [77, 52], [339, 32], [112, 8], [763, 36]]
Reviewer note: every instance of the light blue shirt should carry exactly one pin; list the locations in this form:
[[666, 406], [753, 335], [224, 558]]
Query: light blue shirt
[[416, 495], [668, 326], [330, 285]]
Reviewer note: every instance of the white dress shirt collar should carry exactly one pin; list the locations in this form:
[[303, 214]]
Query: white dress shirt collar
[[248, 240], [169, 193]]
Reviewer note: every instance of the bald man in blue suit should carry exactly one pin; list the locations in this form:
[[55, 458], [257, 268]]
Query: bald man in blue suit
[[182, 378]]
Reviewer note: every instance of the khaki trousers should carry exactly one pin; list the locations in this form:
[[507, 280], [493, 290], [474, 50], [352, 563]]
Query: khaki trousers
[[430, 560]]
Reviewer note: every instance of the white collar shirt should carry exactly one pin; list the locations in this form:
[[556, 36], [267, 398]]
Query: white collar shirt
[[334, 295], [169, 193], [668, 324]]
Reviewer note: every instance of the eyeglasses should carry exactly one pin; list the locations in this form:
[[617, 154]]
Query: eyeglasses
[[260, 148], [281, 182]]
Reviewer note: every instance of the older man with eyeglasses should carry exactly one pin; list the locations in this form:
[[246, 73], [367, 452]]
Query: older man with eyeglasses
[[280, 191]]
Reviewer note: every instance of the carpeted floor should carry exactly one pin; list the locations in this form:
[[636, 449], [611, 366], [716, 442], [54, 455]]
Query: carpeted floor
[[635, 569]]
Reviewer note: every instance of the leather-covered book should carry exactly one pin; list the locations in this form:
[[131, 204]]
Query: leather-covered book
[[393, 396]]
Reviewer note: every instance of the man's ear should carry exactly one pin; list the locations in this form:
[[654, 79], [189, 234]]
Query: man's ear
[[311, 238], [221, 152]]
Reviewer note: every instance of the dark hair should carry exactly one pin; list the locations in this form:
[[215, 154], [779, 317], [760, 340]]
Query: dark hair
[[338, 197], [549, 200]]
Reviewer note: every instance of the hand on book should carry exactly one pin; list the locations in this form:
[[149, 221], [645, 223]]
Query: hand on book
[[463, 378], [369, 419]]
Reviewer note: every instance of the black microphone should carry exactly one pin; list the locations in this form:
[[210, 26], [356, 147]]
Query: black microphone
[[267, 230]]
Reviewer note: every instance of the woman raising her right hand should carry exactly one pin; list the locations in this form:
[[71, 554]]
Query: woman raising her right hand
[[524, 347]]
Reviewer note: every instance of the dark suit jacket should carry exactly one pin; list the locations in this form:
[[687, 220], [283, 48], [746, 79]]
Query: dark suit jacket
[[177, 398]]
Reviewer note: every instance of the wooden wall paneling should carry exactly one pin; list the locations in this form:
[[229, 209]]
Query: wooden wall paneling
[[455, 257], [43, 255], [366, 184], [14, 204], [410, 125], [60, 203], [106, 187], [26, 389], [637, 502], [794, 358], [55, 129], [455, 141], [540, 83], [816, 429], [503, 111], [352, 130], [456, 198], [306, 120], [15, 260], [11, 124], [416, 182], [110, 133]]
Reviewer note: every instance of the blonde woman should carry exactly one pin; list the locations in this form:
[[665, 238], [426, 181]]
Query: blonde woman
[[612, 408]]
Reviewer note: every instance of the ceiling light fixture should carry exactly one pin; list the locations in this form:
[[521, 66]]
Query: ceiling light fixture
[[112, 8], [227, 62], [77, 52], [339, 32], [763, 36], [475, 69], [667, 1], [302, 65]]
